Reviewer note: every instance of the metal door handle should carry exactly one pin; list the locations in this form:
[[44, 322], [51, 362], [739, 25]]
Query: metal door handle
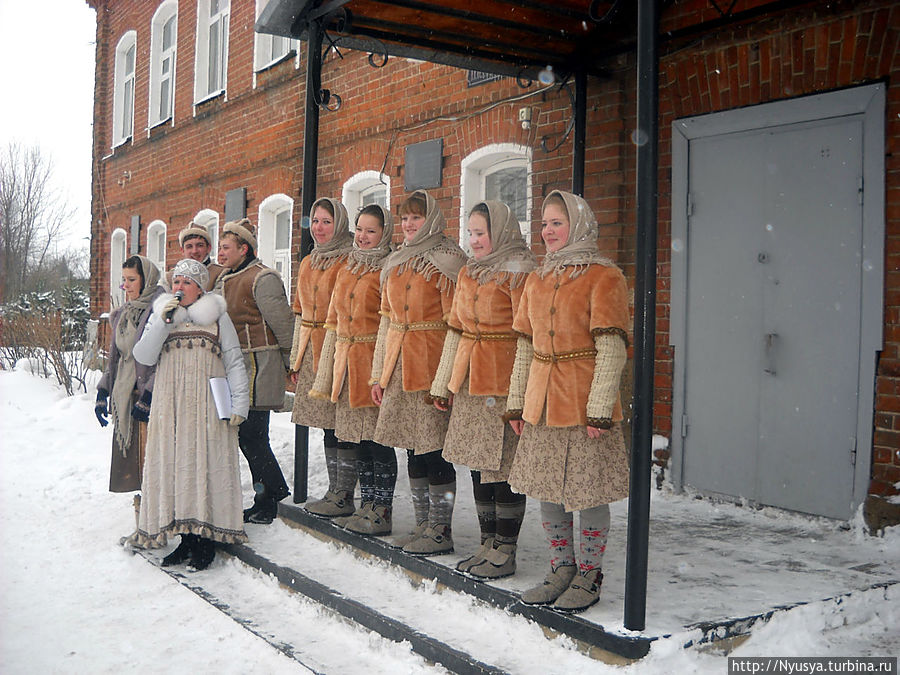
[[771, 339]]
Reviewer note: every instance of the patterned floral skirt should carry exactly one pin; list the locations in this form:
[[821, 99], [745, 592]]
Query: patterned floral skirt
[[310, 412], [353, 424], [478, 437], [406, 421], [563, 466]]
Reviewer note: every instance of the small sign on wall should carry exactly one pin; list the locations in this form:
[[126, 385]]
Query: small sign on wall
[[235, 204], [135, 235], [423, 164]]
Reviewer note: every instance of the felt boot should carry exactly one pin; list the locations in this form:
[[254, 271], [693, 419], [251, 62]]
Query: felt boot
[[182, 552], [332, 505], [476, 558], [418, 531], [554, 584], [343, 521], [435, 540], [376, 522], [500, 561], [583, 591]]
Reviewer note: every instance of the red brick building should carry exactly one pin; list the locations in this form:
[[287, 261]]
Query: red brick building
[[194, 109]]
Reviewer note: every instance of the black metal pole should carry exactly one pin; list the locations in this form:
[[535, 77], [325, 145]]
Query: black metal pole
[[307, 198], [580, 132], [646, 137]]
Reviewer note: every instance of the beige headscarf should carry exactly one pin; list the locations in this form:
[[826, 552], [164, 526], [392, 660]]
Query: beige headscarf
[[580, 249], [126, 372], [430, 250], [133, 309], [361, 260], [325, 255], [510, 258]]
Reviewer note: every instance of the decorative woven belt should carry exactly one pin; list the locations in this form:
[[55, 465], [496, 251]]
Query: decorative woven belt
[[419, 325], [357, 338], [312, 324], [566, 356], [489, 336]]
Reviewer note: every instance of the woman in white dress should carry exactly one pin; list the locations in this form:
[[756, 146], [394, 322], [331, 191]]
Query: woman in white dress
[[191, 481]]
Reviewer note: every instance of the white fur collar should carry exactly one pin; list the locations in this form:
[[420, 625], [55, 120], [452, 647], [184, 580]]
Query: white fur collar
[[206, 310]]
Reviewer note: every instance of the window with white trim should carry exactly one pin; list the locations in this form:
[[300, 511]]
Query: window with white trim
[[501, 172], [269, 49], [211, 68], [209, 220], [156, 244], [123, 89], [163, 43], [117, 257], [364, 188], [275, 234]]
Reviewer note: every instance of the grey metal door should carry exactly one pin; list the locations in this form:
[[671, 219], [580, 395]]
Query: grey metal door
[[773, 314]]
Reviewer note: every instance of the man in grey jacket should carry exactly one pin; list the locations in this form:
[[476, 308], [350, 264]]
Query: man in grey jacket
[[259, 310]]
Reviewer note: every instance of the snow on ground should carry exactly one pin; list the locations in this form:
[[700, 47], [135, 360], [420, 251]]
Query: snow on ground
[[72, 600]]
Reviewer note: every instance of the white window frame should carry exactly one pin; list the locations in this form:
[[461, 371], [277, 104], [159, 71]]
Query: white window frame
[[209, 220], [205, 20], [167, 11], [358, 186], [268, 49], [156, 247], [118, 254], [278, 259], [479, 164], [123, 90]]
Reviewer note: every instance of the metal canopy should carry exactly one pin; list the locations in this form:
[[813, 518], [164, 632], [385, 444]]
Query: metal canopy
[[494, 36]]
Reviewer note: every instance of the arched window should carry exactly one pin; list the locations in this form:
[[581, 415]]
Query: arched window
[[156, 244], [501, 171], [163, 42], [209, 219], [117, 257], [123, 89], [364, 188], [211, 63], [275, 229], [268, 49]]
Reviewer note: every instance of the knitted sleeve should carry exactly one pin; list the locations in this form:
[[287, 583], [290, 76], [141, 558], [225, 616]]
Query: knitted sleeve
[[295, 343], [380, 347], [608, 364], [439, 388], [519, 379], [321, 388]]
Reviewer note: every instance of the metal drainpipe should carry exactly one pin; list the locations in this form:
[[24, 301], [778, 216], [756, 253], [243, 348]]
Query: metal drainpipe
[[580, 132], [307, 198], [644, 314]]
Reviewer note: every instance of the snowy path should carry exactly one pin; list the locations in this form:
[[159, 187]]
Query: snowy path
[[72, 601]]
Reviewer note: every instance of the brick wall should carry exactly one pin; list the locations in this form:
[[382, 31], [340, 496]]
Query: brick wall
[[253, 137]]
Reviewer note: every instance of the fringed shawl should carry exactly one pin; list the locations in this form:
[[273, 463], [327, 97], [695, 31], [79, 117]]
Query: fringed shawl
[[580, 250], [430, 251], [327, 254], [510, 258], [363, 260]]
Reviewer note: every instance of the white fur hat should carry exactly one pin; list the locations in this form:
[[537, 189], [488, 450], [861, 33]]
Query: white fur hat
[[193, 230]]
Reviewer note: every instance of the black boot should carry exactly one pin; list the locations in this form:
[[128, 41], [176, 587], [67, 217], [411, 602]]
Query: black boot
[[204, 553], [265, 505], [183, 552]]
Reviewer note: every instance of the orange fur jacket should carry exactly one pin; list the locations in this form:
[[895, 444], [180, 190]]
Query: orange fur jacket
[[487, 348], [354, 317], [417, 310], [311, 300], [561, 315]]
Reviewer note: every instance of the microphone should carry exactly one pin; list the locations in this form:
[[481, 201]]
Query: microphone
[[167, 317]]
